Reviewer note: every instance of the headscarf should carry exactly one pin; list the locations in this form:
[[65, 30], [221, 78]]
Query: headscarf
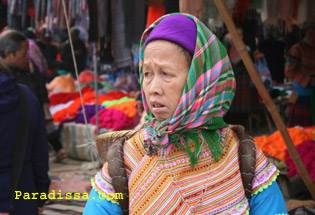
[[206, 97], [36, 56]]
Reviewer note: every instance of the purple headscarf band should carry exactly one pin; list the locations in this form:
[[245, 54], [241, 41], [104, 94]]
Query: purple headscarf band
[[178, 29]]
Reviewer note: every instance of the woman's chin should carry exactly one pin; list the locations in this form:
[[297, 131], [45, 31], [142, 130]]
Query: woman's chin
[[160, 118]]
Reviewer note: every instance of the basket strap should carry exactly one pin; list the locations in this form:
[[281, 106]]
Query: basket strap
[[246, 157], [117, 171]]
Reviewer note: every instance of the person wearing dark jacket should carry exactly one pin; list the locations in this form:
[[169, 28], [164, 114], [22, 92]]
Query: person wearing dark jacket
[[34, 172], [13, 50]]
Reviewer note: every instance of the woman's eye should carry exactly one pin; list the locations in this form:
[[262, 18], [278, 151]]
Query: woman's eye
[[165, 73], [146, 74]]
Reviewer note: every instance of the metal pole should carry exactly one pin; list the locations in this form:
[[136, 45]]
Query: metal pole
[[265, 95], [43, 9], [96, 86], [48, 14], [24, 14]]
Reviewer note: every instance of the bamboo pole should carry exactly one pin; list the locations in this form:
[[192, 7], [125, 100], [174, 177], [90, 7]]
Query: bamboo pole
[[265, 95]]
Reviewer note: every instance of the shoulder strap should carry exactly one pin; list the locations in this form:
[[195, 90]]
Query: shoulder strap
[[117, 171], [247, 158], [19, 145]]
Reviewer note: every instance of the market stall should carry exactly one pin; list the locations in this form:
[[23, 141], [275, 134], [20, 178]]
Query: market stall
[[117, 110]]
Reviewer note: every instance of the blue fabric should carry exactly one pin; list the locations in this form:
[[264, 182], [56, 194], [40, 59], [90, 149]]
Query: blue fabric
[[302, 91], [34, 174], [99, 206], [270, 201]]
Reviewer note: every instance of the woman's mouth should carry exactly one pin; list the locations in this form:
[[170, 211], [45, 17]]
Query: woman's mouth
[[157, 107]]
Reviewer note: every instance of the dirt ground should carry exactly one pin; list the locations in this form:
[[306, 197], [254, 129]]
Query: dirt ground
[[69, 178]]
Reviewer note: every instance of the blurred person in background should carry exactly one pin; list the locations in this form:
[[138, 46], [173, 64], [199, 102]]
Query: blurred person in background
[[80, 52], [49, 50], [300, 69]]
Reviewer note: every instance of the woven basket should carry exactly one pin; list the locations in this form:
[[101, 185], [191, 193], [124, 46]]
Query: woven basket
[[104, 141]]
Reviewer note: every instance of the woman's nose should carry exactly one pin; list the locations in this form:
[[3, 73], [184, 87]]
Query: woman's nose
[[155, 86]]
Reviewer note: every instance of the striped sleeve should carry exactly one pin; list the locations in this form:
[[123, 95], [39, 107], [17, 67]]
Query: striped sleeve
[[265, 173], [102, 183]]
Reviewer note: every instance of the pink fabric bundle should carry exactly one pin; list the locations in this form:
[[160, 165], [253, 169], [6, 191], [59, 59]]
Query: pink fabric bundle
[[307, 153], [112, 119]]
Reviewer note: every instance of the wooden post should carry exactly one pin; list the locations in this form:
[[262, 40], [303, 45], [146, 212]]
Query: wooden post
[[265, 95]]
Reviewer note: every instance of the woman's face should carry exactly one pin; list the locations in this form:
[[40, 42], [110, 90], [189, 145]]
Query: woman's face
[[165, 70]]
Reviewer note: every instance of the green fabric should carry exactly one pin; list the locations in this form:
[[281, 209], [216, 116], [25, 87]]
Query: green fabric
[[108, 103], [65, 72], [108, 86]]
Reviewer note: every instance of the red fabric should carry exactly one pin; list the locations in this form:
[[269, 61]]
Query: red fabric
[[295, 7], [31, 12], [112, 119], [307, 153], [87, 76], [72, 110], [61, 98], [154, 13], [242, 6], [49, 71], [118, 94]]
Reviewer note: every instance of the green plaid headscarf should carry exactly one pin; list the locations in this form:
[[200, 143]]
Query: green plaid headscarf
[[206, 97]]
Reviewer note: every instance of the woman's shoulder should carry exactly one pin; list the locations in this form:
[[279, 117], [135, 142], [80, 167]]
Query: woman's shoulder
[[135, 145], [229, 139], [134, 151]]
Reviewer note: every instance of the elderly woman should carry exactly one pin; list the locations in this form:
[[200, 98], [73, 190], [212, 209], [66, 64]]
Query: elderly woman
[[184, 160]]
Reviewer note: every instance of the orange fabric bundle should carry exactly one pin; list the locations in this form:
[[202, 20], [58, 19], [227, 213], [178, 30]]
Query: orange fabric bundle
[[72, 110], [275, 146], [62, 83], [128, 107]]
